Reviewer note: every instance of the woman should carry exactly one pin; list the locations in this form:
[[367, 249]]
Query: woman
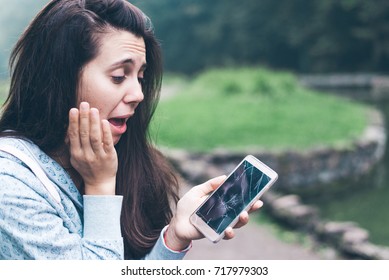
[[85, 78]]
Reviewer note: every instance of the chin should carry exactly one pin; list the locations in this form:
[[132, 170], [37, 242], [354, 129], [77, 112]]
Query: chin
[[115, 139]]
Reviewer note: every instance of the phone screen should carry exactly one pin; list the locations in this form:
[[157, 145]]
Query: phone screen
[[232, 197]]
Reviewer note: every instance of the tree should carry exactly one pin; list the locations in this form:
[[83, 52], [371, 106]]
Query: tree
[[301, 35]]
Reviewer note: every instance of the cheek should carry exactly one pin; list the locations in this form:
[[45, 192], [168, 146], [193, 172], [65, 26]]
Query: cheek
[[99, 92], [92, 85], [100, 96], [93, 92]]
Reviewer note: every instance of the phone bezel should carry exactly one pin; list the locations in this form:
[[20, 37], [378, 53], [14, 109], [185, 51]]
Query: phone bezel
[[206, 230]]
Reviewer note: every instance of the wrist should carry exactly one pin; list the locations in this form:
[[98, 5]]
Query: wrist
[[173, 242], [103, 188]]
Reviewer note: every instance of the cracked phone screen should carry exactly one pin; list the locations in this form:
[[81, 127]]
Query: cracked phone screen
[[230, 199]]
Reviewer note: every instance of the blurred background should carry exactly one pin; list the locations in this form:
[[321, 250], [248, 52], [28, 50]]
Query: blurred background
[[240, 65], [300, 35]]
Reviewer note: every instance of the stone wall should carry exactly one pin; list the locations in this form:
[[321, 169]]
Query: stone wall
[[365, 87], [347, 238]]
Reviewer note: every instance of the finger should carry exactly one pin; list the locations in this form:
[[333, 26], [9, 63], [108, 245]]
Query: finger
[[209, 186], [258, 204], [243, 220], [107, 137], [84, 125], [95, 131], [73, 129], [229, 233]]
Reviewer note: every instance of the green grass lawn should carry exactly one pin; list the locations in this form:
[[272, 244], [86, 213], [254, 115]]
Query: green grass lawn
[[252, 107]]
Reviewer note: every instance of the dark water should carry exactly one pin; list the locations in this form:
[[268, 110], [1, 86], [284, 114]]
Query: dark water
[[363, 200]]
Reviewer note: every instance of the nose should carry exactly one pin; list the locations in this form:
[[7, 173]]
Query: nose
[[133, 92]]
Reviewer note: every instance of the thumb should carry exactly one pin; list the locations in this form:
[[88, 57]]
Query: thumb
[[209, 186]]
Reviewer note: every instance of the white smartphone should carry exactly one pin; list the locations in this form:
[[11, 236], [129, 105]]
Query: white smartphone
[[242, 188]]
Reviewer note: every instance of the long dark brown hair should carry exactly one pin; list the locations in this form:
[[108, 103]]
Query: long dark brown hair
[[45, 67]]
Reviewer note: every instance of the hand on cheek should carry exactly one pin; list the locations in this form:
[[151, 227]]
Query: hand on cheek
[[92, 151]]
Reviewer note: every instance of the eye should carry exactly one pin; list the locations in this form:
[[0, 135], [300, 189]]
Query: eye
[[118, 79]]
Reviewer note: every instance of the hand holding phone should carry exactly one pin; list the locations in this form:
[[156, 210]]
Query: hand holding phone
[[242, 188]]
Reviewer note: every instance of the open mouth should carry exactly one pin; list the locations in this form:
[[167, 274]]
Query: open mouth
[[117, 121]]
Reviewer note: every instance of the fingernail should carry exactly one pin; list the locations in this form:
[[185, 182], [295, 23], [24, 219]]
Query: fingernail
[[94, 112], [73, 111], [84, 106]]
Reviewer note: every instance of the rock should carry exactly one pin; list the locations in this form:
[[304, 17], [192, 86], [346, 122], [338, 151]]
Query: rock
[[354, 236], [286, 202], [365, 250]]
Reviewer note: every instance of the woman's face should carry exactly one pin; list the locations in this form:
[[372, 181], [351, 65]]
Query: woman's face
[[112, 82]]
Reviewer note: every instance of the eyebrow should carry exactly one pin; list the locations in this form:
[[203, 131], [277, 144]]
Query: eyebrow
[[128, 61]]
